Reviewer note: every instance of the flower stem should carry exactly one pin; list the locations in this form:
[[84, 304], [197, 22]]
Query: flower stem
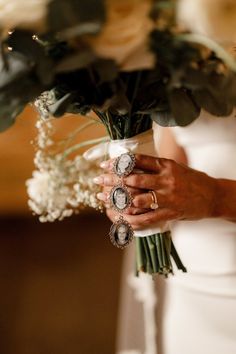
[[84, 143], [78, 130]]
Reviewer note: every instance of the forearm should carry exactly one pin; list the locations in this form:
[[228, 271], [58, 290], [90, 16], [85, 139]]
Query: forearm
[[225, 199]]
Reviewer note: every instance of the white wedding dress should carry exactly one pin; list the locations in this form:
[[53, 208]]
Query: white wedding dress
[[198, 309]]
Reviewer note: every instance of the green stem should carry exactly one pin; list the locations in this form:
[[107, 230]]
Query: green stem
[[149, 268], [167, 241], [176, 258], [84, 143], [104, 119], [158, 250], [140, 255], [78, 130], [211, 44], [152, 249]]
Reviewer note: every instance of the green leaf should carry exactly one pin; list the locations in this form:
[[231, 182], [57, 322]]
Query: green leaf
[[74, 18], [35, 55], [164, 119], [13, 67], [76, 61], [104, 70], [183, 107], [219, 105], [9, 110]]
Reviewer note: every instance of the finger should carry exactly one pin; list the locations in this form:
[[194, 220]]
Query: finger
[[142, 221], [142, 162], [103, 196], [144, 181], [135, 211], [145, 200], [112, 215], [147, 163], [106, 180], [107, 164], [135, 182]]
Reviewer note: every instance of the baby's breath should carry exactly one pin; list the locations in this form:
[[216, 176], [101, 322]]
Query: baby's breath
[[59, 186]]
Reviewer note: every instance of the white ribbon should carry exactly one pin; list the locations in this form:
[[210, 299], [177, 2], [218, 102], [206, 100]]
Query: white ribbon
[[141, 144]]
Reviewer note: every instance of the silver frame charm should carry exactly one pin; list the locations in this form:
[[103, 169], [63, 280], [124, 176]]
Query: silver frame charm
[[123, 166], [127, 169], [114, 237], [113, 196]]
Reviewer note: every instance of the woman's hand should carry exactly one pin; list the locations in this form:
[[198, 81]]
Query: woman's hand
[[182, 193]]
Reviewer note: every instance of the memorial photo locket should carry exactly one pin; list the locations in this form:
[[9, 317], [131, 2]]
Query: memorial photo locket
[[124, 165], [120, 198], [121, 232]]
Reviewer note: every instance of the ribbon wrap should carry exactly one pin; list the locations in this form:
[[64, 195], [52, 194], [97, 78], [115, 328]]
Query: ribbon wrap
[[140, 144]]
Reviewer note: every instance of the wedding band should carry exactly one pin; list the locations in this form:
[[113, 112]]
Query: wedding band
[[154, 205]]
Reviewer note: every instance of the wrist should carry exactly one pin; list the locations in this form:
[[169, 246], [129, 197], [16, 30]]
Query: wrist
[[224, 199]]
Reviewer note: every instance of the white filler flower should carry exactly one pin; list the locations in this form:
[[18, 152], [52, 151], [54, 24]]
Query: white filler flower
[[214, 18], [29, 14]]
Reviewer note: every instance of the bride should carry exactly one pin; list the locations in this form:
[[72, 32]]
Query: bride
[[195, 185]]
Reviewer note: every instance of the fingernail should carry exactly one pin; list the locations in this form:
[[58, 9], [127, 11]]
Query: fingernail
[[104, 164], [102, 196], [98, 180]]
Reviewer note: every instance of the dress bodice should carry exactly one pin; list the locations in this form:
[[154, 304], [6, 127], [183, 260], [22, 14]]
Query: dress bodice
[[208, 245]]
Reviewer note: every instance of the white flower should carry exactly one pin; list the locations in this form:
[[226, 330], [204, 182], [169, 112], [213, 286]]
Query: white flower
[[48, 196], [38, 186], [214, 18], [125, 34], [59, 186], [30, 14]]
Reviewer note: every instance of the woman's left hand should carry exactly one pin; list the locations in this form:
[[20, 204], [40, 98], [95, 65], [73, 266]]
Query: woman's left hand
[[182, 192]]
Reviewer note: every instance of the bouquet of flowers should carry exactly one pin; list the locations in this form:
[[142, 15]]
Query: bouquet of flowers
[[131, 62]]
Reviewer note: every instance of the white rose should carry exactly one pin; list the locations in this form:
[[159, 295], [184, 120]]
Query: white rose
[[214, 18], [125, 34], [29, 14]]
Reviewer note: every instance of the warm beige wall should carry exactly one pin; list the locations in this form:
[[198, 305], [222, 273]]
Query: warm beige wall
[[16, 157]]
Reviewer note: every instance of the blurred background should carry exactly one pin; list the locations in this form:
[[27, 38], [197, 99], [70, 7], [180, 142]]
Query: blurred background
[[59, 281]]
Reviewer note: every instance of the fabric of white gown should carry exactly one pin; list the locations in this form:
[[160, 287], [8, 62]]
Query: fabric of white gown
[[199, 309]]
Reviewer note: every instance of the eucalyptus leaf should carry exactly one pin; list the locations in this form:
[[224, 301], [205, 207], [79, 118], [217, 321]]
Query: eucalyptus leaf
[[172, 52], [75, 18], [16, 95], [216, 105], [22, 41], [183, 107], [151, 98], [104, 70], [8, 114], [164, 118], [76, 61], [119, 104], [17, 67], [35, 55]]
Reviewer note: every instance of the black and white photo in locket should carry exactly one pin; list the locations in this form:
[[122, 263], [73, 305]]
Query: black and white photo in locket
[[124, 165], [120, 198]]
